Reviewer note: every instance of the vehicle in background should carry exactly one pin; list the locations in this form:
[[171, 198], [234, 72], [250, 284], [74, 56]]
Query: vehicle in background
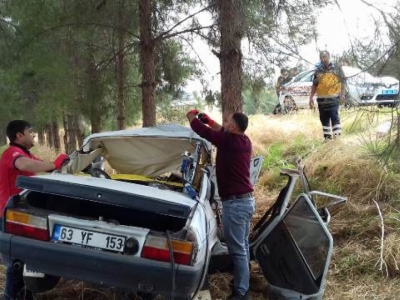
[[362, 89], [383, 91]]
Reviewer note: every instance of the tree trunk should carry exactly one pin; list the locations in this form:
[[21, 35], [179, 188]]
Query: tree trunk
[[121, 67], [147, 52], [73, 135], [72, 132], [41, 137], [231, 26], [67, 132], [3, 139], [56, 136], [50, 136], [94, 93], [3, 136], [80, 131], [397, 140], [66, 129]]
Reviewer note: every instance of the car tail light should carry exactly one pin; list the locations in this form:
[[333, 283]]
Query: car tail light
[[157, 248], [27, 225]]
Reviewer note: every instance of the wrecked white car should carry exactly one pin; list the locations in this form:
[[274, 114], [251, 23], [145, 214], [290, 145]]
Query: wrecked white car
[[149, 220]]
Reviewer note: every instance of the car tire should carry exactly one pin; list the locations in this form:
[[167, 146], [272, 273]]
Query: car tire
[[221, 263], [289, 105], [40, 285], [277, 109]]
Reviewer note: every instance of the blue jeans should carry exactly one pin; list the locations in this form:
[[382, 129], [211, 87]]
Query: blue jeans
[[236, 216]]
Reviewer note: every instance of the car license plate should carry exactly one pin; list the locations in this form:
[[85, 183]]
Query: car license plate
[[31, 273], [390, 92], [89, 238]]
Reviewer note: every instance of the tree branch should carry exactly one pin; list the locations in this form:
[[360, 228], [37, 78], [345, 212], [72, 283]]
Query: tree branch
[[216, 53], [194, 50], [182, 21], [124, 50], [381, 260], [73, 24], [193, 30]]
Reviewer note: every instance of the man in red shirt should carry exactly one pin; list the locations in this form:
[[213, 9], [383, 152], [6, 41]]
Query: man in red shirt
[[17, 160], [234, 150]]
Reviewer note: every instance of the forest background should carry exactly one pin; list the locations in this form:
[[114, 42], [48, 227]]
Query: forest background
[[76, 67]]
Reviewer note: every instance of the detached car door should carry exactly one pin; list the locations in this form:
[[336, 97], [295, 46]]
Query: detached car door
[[255, 169], [295, 255]]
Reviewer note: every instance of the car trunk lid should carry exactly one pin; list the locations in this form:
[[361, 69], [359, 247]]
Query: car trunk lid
[[123, 194]]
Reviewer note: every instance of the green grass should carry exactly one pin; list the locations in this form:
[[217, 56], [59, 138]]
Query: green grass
[[273, 157], [283, 155]]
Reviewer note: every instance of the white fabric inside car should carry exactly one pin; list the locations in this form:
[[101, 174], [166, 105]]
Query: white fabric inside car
[[148, 151], [146, 156]]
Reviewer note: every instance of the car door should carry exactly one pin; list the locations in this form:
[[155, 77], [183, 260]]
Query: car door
[[294, 255], [299, 90], [255, 168]]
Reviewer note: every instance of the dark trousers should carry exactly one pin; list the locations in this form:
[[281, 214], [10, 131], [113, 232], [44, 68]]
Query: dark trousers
[[14, 283], [329, 116], [14, 279]]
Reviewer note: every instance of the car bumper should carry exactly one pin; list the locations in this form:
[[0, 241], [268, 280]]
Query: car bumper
[[384, 102], [111, 269]]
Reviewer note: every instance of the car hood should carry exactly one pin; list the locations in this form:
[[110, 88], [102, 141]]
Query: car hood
[[150, 151]]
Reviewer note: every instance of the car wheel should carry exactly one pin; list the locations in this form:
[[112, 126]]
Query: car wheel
[[289, 105], [40, 285], [277, 109], [222, 263]]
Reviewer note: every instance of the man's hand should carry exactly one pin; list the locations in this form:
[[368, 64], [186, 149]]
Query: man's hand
[[311, 103], [192, 112], [342, 99], [60, 161], [205, 119]]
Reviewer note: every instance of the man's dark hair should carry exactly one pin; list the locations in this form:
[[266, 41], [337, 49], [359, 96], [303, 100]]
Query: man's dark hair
[[14, 127], [241, 120], [324, 52]]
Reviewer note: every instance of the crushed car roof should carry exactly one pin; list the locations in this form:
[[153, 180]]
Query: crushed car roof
[[150, 151], [160, 131]]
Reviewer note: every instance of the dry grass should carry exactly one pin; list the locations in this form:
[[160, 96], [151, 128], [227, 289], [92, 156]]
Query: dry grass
[[44, 152], [366, 259], [282, 128]]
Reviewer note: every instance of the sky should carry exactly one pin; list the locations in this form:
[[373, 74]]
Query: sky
[[339, 24], [337, 27]]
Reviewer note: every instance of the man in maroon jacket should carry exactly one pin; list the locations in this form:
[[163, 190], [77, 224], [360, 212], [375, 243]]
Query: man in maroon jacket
[[235, 189]]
